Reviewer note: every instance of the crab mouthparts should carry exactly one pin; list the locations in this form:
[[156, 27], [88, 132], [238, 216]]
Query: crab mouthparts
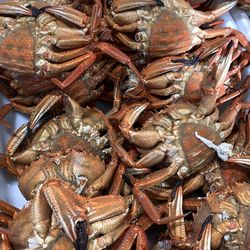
[[81, 235]]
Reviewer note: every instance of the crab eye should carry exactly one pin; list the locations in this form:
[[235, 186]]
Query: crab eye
[[81, 235]]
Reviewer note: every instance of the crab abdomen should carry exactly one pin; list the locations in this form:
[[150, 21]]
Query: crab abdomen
[[197, 153], [17, 51], [169, 35]]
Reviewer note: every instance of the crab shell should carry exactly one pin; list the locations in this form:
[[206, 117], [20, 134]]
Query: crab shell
[[76, 168]]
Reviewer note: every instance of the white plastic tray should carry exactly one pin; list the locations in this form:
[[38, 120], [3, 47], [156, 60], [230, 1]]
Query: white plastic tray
[[9, 191]]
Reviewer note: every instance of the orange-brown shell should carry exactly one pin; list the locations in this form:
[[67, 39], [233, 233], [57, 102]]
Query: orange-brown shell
[[193, 85], [196, 152], [233, 173], [17, 48], [169, 35]]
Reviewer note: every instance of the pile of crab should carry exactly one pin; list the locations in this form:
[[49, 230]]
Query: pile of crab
[[167, 166]]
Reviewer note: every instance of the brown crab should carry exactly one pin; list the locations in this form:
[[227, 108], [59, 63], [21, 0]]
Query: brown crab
[[80, 217], [78, 129], [182, 135], [183, 76], [167, 27], [90, 223], [42, 40], [216, 175], [230, 211], [85, 173]]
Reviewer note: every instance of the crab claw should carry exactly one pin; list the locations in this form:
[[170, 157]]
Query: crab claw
[[209, 16], [223, 69], [81, 234], [68, 210], [162, 66], [205, 235], [43, 107], [12, 8], [177, 227]]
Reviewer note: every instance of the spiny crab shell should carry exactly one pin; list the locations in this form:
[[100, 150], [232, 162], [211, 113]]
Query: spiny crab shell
[[77, 129], [78, 169]]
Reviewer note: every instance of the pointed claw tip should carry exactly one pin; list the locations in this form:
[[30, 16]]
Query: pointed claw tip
[[127, 179], [81, 235], [207, 221], [178, 184]]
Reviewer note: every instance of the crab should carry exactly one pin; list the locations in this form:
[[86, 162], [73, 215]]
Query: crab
[[89, 223], [25, 92], [216, 175], [221, 221], [167, 137], [80, 217], [41, 35], [230, 211], [182, 76], [19, 233], [77, 129], [85, 173], [167, 27]]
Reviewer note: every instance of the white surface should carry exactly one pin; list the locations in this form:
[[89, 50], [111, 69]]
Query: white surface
[[9, 191]]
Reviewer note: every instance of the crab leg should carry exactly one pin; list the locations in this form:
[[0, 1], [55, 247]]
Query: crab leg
[[212, 94], [11, 8], [63, 56], [209, 16], [162, 66], [124, 28], [193, 184], [145, 139], [58, 198], [130, 236], [157, 177], [41, 215], [148, 206], [72, 15], [5, 244], [127, 5], [16, 139], [8, 209], [76, 73], [118, 74], [108, 239], [103, 181], [118, 55], [96, 18], [118, 181], [43, 107], [84, 65], [87, 60], [226, 32], [126, 40]]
